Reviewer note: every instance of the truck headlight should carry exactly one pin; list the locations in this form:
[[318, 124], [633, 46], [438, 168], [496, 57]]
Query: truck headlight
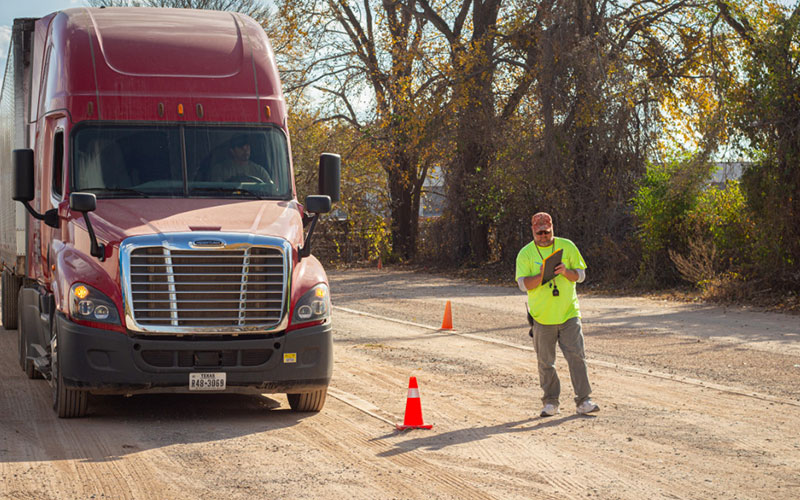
[[314, 305], [89, 304]]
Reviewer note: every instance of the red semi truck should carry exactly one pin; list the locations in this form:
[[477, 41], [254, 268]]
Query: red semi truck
[[158, 244]]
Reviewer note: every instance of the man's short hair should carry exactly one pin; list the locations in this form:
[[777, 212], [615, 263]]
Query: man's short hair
[[238, 141]]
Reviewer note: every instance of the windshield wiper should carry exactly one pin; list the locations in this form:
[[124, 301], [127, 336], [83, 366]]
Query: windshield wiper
[[236, 190], [117, 191]]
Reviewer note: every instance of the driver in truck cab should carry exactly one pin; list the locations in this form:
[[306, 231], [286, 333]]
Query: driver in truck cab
[[238, 166]]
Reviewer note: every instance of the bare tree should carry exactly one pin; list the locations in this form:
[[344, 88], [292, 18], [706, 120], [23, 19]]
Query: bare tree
[[366, 67], [586, 81]]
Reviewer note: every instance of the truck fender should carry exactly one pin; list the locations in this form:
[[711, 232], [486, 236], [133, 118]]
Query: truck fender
[[73, 266], [307, 273]]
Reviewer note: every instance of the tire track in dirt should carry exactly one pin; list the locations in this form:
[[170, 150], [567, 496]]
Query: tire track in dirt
[[500, 477], [81, 457], [656, 437], [135, 478], [473, 334], [83, 469], [480, 444], [448, 485], [655, 393], [456, 486], [487, 447]]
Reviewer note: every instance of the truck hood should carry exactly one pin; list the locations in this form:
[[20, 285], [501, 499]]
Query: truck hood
[[117, 219]]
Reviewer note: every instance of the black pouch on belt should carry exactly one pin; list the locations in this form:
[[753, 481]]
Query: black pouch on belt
[[530, 321]]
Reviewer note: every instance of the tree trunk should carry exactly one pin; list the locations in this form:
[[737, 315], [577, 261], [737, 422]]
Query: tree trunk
[[404, 205], [475, 144]]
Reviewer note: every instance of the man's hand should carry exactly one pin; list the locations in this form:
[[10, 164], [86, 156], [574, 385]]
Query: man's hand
[[570, 274]]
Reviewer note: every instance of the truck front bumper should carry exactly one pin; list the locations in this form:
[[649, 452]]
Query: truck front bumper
[[108, 362]]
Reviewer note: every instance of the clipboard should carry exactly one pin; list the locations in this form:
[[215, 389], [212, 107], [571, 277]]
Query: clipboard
[[549, 265]]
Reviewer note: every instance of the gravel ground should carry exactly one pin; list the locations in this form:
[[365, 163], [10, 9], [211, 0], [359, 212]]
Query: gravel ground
[[697, 402]]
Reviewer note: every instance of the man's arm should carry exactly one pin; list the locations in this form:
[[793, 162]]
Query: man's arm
[[254, 169], [526, 283], [574, 275]]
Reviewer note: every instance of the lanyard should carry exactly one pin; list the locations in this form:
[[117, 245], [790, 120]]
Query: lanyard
[[540, 253], [553, 286]]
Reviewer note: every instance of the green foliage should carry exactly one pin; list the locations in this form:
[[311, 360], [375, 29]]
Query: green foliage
[[665, 196], [722, 216], [766, 105]]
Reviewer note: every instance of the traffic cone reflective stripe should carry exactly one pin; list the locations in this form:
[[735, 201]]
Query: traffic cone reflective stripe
[[413, 418], [447, 321]]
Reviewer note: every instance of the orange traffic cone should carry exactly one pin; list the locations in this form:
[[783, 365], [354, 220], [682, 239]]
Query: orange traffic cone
[[380, 264], [447, 321], [413, 418]]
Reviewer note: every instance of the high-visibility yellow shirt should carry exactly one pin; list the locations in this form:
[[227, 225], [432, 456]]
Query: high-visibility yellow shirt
[[543, 306]]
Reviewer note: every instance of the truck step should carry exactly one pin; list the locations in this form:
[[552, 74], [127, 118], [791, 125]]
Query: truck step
[[42, 361], [42, 366]]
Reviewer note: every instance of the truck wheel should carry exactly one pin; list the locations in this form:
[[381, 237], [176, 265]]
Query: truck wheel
[[67, 402], [308, 401], [11, 286], [25, 363]]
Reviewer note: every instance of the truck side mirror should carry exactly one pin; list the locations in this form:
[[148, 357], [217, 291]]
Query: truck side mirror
[[23, 174], [85, 203], [24, 188], [318, 204], [330, 166]]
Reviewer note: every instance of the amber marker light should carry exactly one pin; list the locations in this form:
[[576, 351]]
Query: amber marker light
[[268, 111], [180, 109], [320, 292], [81, 292]]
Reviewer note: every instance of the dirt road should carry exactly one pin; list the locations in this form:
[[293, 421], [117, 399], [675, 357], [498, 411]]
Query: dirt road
[[697, 402]]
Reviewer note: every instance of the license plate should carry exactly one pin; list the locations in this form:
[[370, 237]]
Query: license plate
[[207, 381]]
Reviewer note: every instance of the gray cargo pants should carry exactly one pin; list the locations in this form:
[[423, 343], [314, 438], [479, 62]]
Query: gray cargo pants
[[569, 336]]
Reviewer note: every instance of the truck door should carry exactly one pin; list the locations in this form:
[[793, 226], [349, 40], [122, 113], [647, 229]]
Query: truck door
[[53, 160]]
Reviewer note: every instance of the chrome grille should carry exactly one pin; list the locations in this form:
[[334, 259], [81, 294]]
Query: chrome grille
[[175, 289]]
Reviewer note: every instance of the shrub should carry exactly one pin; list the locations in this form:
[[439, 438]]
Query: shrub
[[665, 195], [722, 216]]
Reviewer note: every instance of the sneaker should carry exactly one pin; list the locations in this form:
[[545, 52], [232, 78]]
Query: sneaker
[[549, 410], [587, 406]]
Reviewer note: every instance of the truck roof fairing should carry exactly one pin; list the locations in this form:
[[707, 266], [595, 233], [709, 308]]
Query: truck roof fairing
[[131, 64]]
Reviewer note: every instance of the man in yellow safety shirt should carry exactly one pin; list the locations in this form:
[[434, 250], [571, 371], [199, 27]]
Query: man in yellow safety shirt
[[556, 318]]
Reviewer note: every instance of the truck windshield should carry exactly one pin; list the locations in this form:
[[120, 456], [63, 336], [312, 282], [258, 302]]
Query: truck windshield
[[121, 161]]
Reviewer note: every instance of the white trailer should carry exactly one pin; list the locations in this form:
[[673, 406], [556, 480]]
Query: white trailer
[[14, 126]]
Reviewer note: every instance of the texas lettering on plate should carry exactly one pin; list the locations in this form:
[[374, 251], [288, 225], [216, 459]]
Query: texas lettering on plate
[[207, 381]]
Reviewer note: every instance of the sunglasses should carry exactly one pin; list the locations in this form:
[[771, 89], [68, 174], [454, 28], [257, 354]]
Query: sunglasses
[[542, 233]]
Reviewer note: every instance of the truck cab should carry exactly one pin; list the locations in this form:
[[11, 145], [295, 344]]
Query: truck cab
[[165, 249]]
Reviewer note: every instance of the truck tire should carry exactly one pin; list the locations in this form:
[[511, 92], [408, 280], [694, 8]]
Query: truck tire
[[25, 363], [67, 402], [308, 401], [11, 286]]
